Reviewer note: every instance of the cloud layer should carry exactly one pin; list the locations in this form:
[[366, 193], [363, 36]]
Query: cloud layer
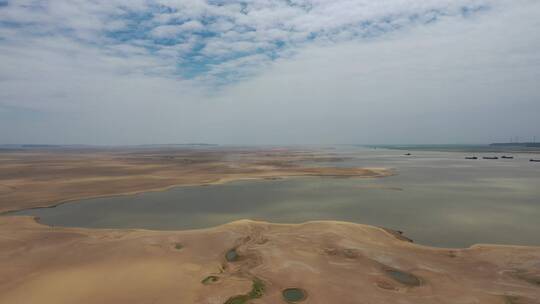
[[294, 71], [216, 39]]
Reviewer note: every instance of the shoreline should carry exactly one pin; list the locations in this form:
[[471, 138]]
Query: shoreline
[[397, 234], [361, 262], [45, 179], [383, 172]]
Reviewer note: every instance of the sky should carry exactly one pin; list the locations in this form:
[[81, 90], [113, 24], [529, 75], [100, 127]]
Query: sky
[[115, 72]]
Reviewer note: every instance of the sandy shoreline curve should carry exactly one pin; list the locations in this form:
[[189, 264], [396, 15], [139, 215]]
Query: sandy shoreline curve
[[379, 172], [331, 261], [39, 179]]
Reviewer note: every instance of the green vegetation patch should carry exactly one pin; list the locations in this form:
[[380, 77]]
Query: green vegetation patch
[[257, 291], [238, 299], [210, 279], [514, 300], [178, 246]]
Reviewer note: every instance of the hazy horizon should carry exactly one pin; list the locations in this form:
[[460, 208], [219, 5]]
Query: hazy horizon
[[457, 147], [270, 72]]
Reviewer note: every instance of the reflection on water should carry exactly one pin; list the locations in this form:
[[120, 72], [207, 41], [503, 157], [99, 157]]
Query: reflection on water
[[437, 198]]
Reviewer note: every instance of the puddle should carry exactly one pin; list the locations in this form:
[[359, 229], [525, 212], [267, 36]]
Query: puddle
[[231, 255], [403, 277], [294, 294]]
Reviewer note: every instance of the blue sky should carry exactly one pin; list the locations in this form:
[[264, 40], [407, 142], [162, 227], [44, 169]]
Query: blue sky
[[214, 40], [89, 64]]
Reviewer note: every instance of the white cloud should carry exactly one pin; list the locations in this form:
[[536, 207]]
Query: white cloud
[[227, 28], [171, 31], [462, 78], [166, 31]]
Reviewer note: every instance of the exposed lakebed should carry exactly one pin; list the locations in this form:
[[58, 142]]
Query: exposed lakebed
[[437, 198]]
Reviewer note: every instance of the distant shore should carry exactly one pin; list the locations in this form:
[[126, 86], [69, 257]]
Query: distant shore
[[487, 148], [46, 178]]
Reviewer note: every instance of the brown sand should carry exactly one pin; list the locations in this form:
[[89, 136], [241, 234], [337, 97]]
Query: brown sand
[[333, 262], [41, 178]]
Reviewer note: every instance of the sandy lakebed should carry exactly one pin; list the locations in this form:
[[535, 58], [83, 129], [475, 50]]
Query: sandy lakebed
[[240, 262]]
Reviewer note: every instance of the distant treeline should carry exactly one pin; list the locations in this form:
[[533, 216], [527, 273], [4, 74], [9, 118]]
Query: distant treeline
[[523, 144], [491, 148]]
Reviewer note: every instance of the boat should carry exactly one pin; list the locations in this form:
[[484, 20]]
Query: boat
[[507, 157], [535, 160], [471, 157], [408, 154], [490, 157]]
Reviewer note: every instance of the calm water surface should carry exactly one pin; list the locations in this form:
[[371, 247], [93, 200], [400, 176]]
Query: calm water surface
[[437, 198]]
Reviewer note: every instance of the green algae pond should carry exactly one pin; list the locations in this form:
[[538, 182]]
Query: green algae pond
[[294, 295]]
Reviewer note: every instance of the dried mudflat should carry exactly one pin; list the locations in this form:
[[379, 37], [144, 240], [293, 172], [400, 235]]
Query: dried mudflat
[[43, 178], [332, 262]]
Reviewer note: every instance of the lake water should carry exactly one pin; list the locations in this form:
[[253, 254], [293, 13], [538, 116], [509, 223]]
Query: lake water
[[437, 198]]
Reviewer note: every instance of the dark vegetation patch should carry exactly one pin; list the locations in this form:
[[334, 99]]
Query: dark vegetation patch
[[532, 278], [398, 235], [210, 279], [516, 300], [257, 291]]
